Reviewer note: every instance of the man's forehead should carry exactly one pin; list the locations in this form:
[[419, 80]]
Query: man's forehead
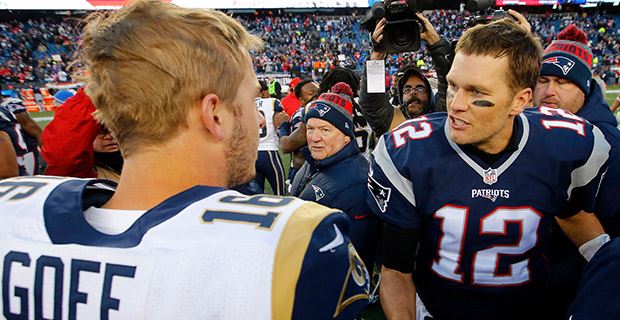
[[414, 79], [319, 123], [310, 86], [478, 69], [554, 78]]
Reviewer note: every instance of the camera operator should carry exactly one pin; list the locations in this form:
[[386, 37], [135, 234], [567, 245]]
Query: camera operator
[[413, 95]]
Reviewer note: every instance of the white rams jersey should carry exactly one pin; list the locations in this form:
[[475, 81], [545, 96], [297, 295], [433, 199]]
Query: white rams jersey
[[205, 253], [268, 137]]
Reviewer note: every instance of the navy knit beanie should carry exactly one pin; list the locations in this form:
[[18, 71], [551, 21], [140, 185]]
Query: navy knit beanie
[[334, 107], [570, 58]]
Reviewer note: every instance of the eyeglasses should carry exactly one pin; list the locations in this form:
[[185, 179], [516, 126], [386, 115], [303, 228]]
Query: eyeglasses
[[418, 89]]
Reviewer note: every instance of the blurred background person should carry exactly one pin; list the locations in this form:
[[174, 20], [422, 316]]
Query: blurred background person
[[269, 164]]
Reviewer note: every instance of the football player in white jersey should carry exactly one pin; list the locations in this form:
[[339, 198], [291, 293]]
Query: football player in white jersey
[[176, 88], [269, 163]]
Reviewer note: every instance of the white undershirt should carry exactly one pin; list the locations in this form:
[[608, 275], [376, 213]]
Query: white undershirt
[[110, 221]]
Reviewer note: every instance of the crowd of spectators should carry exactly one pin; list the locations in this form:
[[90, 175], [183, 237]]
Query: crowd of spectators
[[603, 32], [37, 50], [302, 43]]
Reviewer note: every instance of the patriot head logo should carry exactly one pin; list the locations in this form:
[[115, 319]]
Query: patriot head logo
[[318, 192], [565, 64], [322, 109]]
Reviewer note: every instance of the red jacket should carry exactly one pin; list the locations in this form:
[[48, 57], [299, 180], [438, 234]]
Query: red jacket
[[68, 139], [290, 104]]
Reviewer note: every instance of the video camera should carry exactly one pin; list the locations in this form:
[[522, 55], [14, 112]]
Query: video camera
[[402, 31], [486, 18]]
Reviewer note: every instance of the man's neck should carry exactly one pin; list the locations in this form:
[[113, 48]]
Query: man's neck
[[490, 157], [152, 177]]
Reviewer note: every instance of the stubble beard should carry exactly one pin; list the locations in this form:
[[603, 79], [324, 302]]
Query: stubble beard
[[240, 159]]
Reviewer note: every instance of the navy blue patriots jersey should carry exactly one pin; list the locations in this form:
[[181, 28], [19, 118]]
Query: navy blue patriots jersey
[[16, 106], [597, 297], [26, 151], [484, 228]]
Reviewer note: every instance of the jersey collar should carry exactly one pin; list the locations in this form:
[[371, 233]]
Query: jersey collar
[[65, 222]]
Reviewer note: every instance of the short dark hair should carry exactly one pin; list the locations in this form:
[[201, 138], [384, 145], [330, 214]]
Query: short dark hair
[[263, 85], [297, 90], [340, 74], [504, 38]]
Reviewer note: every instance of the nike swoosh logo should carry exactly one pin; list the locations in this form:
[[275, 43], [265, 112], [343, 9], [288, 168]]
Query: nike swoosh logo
[[335, 243], [360, 216]]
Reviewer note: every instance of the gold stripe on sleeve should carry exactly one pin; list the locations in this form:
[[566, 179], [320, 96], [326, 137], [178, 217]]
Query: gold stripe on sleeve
[[289, 256]]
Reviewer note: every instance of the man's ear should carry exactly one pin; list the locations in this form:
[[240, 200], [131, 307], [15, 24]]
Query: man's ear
[[520, 101], [211, 109]]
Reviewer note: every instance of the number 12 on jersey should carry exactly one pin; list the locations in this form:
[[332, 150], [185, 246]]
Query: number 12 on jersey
[[485, 262]]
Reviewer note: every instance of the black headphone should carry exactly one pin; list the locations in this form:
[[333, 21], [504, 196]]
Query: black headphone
[[401, 77]]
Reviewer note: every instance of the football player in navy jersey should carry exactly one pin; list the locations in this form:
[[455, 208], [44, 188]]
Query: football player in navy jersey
[[176, 88], [25, 147], [30, 127], [468, 197]]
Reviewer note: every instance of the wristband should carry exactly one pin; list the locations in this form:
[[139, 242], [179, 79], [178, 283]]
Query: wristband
[[284, 129], [590, 248]]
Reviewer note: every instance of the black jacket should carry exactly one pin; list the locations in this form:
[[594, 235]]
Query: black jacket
[[339, 182], [377, 108]]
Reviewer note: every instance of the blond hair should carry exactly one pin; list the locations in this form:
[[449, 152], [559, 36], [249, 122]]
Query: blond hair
[[504, 38], [151, 61]]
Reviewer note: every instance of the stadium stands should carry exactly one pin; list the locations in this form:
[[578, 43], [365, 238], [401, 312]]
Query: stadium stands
[[38, 51]]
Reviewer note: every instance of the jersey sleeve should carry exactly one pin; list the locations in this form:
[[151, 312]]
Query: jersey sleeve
[[597, 296], [586, 179], [297, 118], [14, 106], [329, 279], [277, 106], [390, 191]]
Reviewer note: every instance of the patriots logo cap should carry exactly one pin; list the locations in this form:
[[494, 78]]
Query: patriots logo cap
[[569, 58], [334, 107], [565, 64]]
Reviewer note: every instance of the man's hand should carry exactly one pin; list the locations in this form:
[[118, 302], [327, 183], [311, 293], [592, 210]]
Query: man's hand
[[428, 33], [520, 20], [279, 118], [377, 37]]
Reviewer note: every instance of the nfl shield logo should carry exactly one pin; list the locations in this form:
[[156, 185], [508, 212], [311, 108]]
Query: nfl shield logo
[[489, 176]]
